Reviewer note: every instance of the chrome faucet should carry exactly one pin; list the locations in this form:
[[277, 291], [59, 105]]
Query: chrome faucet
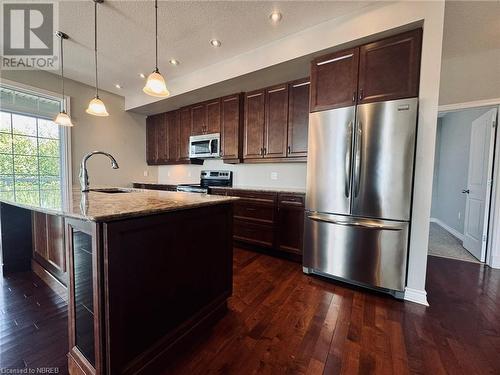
[[84, 175]]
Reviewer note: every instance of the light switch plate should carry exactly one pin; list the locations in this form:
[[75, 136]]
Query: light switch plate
[[274, 175]]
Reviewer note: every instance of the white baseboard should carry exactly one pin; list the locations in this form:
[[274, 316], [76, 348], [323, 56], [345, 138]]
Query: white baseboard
[[417, 296], [449, 229], [495, 262]]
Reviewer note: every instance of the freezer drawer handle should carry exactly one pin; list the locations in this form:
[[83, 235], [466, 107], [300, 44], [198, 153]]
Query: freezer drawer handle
[[355, 224]]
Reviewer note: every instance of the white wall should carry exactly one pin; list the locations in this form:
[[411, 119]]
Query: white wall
[[470, 69], [470, 77], [122, 134], [289, 175], [451, 166]]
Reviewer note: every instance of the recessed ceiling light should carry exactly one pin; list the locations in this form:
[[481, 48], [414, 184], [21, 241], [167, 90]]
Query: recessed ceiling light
[[174, 62], [142, 75], [275, 16], [215, 43], [118, 86]]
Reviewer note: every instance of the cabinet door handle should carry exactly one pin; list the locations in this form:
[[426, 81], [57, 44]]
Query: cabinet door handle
[[360, 94], [289, 150], [261, 151], [353, 96], [265, 151]]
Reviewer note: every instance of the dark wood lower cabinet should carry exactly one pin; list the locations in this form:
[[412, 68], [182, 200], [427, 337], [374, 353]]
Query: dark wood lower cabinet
[[290, 223], [48, 244], [270, 220]]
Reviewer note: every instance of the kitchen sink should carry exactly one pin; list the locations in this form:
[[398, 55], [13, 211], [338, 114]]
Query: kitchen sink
[[112, 190]]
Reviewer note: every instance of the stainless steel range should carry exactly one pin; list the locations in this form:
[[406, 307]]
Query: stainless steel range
[[208, 179]]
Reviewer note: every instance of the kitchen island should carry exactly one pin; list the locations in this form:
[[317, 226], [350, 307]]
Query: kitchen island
[[147, 270]]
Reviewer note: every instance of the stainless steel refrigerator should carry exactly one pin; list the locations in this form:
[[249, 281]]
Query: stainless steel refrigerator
[[359, 188]]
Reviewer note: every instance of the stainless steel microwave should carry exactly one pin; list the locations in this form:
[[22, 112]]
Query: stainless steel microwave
[[204, 146]]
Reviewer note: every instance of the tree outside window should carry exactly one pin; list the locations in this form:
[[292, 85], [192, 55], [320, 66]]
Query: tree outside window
[[30, 160]]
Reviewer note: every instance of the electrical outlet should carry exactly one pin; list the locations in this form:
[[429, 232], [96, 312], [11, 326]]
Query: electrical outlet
[[168, 174], [274, 175], [189, 173], [146, 173]]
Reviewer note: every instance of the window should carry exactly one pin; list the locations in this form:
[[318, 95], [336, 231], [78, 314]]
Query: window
[[31, 149]]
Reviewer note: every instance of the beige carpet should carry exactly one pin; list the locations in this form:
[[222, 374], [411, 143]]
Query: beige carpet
[[443, 244]]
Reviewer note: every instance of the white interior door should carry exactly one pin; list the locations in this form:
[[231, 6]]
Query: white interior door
[[479, 184]]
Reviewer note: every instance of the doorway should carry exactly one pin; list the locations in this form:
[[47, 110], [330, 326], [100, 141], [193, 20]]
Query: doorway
[[463, 173]]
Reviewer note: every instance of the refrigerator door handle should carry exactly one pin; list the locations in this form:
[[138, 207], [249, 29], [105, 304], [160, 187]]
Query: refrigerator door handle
[[367, 225], [348, 160], [357, 158]]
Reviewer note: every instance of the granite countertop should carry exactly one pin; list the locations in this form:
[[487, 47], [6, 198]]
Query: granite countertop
[[99, 206], [263, 189]]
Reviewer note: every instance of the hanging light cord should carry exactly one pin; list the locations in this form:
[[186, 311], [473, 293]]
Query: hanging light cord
[[156, 35], [61, 52], [95, 49]]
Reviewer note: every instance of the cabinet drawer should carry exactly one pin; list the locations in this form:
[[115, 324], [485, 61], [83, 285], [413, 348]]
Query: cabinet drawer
[[258, 234], [254, 211], [291, 199], [255, 196], [218, 191]]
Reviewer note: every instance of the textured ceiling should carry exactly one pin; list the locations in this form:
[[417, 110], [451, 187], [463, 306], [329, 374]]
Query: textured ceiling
[[126, 34], [470, 27]]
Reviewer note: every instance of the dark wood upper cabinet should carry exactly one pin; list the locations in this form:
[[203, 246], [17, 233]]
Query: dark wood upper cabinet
[[151, 136], [213, 117], [161, 138], [231, 126], [198, 118], [298, 117], [275, 133], [173, 135], [254, 124], [389, 69], [334, 80], [184, 133]]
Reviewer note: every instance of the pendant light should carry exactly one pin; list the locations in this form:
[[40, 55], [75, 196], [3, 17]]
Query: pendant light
[[62, 117], [155, 85], [96, 106]]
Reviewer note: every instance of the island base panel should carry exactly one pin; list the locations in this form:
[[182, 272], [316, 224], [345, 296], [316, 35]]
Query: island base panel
[[165, 280], [16, 237]]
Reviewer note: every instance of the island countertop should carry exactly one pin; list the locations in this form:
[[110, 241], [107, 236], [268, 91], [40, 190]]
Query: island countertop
[[102, 206]]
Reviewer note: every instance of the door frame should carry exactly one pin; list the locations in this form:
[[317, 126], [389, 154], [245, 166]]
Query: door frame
[[493, 241]]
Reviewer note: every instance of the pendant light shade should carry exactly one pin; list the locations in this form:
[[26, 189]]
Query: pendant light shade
[[155, 85], [62, 117], [96, 106]]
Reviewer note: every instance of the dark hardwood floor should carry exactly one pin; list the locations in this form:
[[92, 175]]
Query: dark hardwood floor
[[281, 321], [33, 325]]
